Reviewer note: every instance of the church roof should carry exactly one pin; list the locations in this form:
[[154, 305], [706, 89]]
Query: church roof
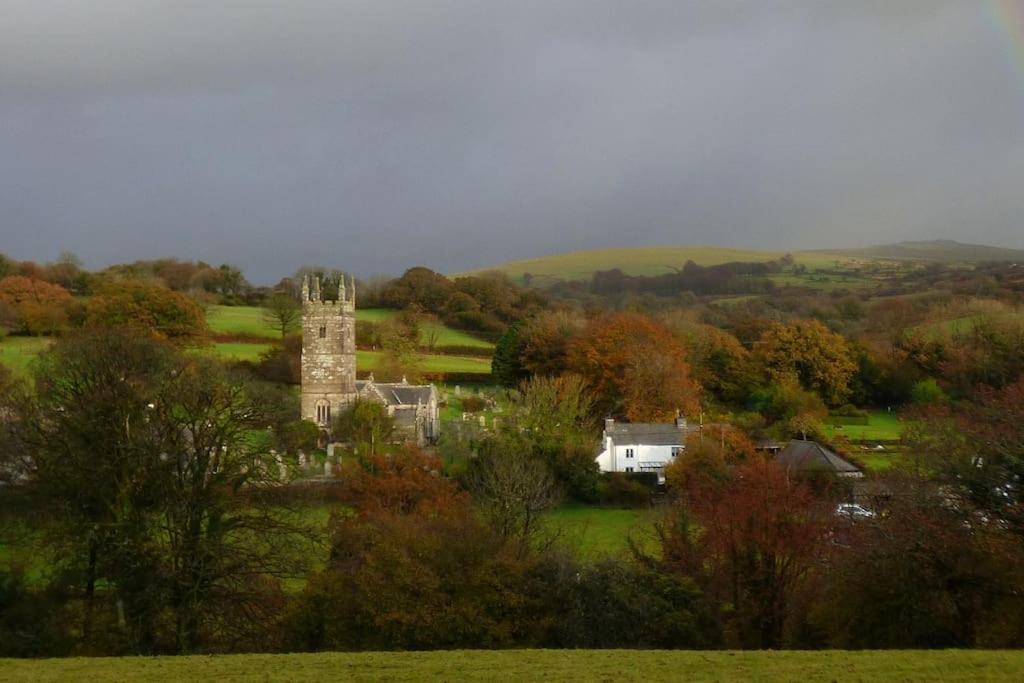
[[398, 393]]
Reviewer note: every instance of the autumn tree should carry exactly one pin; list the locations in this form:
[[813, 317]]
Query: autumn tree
[[923, 575], [399, 581], [820, 359], [720, 363], [977, 452], [147, 306], [40, 307], [546, 339], [636, 366], [406, 482], [751, 543]]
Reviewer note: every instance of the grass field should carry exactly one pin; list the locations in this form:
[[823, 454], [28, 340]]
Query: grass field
[[882, 425], [881, 461], [17, 352], [532, 665], [595, 532], [365, 360], [581, 265], [248, 320]]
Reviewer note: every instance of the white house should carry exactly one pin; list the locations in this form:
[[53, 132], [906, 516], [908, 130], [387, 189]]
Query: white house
[[641, 447]]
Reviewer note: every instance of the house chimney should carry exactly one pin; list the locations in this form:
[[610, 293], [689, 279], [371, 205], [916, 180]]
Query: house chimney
[[608, 424], [680, 421]]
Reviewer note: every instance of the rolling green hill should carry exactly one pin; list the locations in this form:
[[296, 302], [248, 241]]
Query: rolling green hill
[[581, 265], [944, 251], [534, 665]]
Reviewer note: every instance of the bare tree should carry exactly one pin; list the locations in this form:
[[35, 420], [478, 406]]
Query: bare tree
[[512, 488], [282, 312]]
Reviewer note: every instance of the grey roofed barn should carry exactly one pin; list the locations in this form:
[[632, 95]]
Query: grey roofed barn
[[810, 456]]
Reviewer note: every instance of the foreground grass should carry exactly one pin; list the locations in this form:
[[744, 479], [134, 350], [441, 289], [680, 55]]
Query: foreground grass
[[530, 665]]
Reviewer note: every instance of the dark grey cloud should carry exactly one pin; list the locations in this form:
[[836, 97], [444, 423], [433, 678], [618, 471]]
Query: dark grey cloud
[[375, 135]]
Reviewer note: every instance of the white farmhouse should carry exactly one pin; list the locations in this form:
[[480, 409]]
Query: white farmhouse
[[641, 447]]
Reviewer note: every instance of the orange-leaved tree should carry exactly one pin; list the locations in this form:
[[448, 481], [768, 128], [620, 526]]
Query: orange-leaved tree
[[806, 349], [406, 482], [636, 366]]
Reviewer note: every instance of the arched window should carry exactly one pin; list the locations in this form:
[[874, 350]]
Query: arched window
[[323, 412], [323, 331]]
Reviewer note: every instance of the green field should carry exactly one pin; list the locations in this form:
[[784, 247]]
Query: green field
[[882, 425], [594, 532], [365, 360], [880, 461], [17, 352], [533, 665], [581, 265], [248, 320]]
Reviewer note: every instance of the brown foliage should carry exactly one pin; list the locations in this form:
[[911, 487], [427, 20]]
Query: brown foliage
[[749, 541], [17, 289], [407, 482], [637, 366], [820, 359], [147, 306]]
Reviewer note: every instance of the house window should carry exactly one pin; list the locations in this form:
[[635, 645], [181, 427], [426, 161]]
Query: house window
[[629, 469], [676, 450], [629, 452], [323, 331]]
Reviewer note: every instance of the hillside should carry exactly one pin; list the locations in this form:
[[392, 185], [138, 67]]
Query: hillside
[[581, 265], [531, 665], [944, 251]]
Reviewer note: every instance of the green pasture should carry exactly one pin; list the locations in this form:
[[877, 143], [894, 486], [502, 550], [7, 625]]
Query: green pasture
[[365, 360], [593, 532], [882, 425], [581, 265], [17, 352], [249, 320], [822, 281], [535, 665], [881, 461]]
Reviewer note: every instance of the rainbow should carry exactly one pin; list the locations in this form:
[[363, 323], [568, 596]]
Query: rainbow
[[1007, 18]]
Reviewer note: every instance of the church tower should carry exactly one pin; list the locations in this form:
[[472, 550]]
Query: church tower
[[328, 350]]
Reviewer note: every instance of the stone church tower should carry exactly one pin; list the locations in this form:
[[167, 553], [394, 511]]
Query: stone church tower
[[328, 351]]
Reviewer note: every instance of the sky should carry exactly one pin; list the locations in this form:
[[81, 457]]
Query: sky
[[376, 135]]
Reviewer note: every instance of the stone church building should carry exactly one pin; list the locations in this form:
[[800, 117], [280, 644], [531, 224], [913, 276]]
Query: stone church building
[[329, 381]]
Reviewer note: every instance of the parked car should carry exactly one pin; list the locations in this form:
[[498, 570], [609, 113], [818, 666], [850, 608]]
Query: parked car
[[854, 511]]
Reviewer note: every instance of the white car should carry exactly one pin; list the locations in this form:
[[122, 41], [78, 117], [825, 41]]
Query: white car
[[854, 511]]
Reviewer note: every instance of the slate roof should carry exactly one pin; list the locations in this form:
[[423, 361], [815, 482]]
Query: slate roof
[[647, 434], [399, 394], [812, 456]]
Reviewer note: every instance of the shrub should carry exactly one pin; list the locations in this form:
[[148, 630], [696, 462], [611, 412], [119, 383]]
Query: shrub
[[617, 488], [474, 404]]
